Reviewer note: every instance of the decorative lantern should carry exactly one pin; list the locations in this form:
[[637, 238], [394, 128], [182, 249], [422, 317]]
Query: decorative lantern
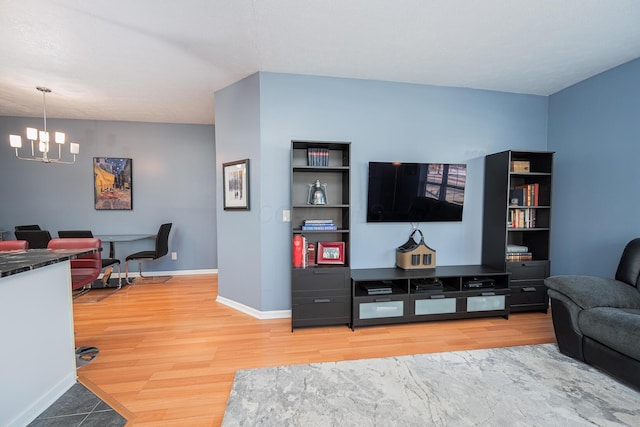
[[317, 193]]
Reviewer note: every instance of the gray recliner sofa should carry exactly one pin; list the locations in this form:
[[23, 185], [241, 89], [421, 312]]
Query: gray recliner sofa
[[597, 320]]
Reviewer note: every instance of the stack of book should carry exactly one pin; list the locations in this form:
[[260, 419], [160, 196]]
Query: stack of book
[[518, 253], [318, 225], [522, 218], [318, 156], [304, 252], [526, 195]]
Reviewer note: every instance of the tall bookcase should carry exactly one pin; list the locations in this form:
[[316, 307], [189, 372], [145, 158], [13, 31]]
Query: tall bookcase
[[321, 292], [517, 223]]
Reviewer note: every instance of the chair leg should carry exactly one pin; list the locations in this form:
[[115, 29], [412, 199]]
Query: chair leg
[[140, 268], [81, 291], [119, 276], [106, 276], [126, 272]]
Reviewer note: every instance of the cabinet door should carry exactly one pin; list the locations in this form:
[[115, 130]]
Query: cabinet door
[[321, 310], [435, 306], [528, 270], [320, 279], [486, 303], [529, 293]]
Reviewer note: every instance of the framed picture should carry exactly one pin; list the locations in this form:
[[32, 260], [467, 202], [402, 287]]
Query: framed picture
[[235, 185], [112, 183], [330, 252]]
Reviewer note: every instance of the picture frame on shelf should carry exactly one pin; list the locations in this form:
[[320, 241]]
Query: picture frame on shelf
[[235, 185], [330, 252]]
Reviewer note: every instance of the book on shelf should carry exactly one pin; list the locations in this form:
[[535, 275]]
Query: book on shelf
[[315, 227], [311, 254], [522, 218], [517, 248], [517, 197], [319, 224], [304, 252], [527, 194], [299, 251], [317, 156], [519, 256], [318, 221]]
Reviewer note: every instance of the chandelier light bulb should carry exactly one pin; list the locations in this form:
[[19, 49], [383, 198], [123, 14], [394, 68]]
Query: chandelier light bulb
[[32, 134], [60, 137], [15, 141]]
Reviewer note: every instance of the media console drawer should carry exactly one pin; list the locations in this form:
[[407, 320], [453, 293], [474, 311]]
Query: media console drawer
[[528, 270], [486, 303], [315, 279], [435, 306], [333, 309], [381, 309]]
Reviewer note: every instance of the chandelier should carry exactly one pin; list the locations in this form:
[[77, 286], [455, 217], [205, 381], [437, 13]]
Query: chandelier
[[42, 137]]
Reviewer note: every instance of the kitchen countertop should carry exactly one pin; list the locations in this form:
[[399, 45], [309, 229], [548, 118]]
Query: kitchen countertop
[[15, 262]]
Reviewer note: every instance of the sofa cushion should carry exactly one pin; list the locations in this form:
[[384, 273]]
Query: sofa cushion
[[629, 267], [589, 291], [618, 329]]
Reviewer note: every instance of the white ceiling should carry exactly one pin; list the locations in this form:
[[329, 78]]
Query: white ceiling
[[161, 60]]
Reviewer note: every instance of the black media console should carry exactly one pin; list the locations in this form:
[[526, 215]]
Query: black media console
[[383, 296]]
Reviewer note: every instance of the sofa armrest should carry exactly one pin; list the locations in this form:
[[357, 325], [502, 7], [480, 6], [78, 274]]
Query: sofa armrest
[[589, 291]]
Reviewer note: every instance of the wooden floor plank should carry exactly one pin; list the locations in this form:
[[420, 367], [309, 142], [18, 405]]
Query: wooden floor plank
[[169, 352]]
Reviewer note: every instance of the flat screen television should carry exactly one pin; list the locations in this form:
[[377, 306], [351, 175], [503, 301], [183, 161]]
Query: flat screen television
[[415, 192]]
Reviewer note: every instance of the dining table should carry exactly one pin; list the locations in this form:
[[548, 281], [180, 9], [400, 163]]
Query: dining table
[[112, 238]]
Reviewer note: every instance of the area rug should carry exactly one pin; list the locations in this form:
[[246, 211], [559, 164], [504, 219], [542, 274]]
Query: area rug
[[514, 386]]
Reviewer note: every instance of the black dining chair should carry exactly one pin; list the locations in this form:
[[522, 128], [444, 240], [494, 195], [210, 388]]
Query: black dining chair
[[161, 249], [27, 227], [106, 262], [38, 239]]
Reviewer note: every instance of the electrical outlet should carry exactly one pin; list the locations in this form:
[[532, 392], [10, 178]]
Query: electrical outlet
[[286, 215], [174, 255]]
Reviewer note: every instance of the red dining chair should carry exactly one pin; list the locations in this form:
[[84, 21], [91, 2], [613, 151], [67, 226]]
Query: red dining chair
[[106, 262], [13, 245], [86, 269]]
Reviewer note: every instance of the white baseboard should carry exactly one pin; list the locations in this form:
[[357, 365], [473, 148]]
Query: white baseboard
[[165, 273], [258, 314], [262, 315], [43, 401]]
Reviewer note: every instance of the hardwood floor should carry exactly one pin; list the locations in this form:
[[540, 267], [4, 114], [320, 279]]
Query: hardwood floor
[[168, 352]]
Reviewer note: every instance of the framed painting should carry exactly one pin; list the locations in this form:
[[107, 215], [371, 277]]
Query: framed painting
[[112, 183], [235, 185]]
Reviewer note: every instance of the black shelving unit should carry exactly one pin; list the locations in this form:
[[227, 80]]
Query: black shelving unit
[[516, 235], [321, 293]]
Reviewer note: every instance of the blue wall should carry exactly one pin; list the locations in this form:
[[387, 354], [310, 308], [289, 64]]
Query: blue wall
[[594, 127], [174, 180], [239, 232], [385, 122]]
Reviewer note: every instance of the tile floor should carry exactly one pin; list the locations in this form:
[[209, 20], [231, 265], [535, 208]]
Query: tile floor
[[79, 407]]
